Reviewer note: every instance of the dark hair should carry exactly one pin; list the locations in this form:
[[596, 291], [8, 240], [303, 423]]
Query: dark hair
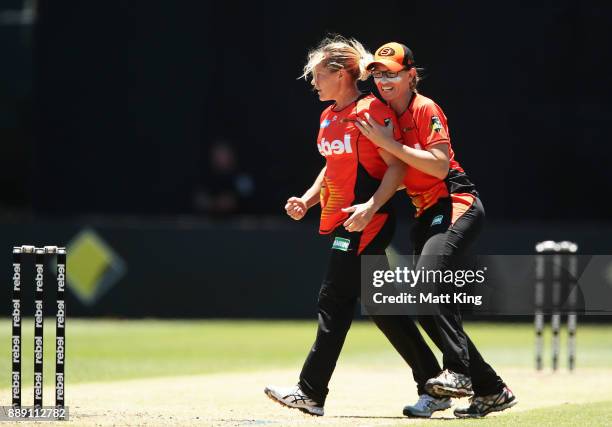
[[417, 79]]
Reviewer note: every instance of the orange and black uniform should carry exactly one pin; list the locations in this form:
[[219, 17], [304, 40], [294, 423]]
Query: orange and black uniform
[[354, 167], [353, 174], [423, 125], [449, 216]]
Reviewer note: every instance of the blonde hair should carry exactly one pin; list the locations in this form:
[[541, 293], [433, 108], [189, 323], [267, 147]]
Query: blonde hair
[[339, 53]]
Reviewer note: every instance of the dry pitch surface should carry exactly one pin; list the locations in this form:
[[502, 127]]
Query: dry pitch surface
[[358, 398]]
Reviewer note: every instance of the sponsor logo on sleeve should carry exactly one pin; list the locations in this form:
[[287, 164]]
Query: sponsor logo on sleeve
[[436, 124]]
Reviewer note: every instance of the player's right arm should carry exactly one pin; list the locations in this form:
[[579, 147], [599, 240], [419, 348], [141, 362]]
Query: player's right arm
[[296, 207]]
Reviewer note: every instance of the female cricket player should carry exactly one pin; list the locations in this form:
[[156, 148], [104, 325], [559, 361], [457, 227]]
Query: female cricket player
[[356, 173], [449, 216]]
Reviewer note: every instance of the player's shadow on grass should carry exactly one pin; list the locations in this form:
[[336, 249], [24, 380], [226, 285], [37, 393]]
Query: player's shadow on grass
[[374, 417]]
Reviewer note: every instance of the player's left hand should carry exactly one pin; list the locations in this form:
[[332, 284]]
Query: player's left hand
[[361, 216], [378, 134]]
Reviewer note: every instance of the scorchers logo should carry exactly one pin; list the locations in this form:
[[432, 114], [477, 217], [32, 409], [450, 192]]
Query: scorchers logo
[[386, 51], [334, 147]]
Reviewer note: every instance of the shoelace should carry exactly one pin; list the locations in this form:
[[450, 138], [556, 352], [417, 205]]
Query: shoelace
[[444, 375]]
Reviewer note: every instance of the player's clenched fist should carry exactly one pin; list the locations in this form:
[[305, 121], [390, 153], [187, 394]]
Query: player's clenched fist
[[296, 208]]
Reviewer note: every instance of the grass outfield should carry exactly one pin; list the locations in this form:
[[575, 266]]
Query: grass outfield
[[589, 414], [152, 372], [109, 350]]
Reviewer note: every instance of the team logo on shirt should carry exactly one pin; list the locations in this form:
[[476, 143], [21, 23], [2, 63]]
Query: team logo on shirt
[[437, 220], [336, 146], [436, 124], [325, 123]]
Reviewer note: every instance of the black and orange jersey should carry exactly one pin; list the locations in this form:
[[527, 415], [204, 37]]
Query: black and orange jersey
[[354, 165], [423, 125]]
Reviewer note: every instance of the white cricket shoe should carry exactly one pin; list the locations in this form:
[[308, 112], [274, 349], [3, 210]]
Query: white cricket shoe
[[427, 405], [294, 397]]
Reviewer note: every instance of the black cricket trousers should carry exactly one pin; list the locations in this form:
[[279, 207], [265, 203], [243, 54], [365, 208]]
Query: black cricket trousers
[[438, 242], [339, 294], [338, 297]]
